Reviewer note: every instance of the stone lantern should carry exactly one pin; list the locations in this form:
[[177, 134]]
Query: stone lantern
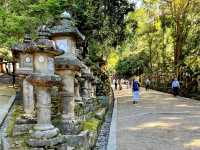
[[66, 37], [43, 78], [25, 68], [87, 79]]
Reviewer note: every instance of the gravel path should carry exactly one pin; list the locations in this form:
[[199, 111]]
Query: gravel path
[[158, 122], [102, 139]]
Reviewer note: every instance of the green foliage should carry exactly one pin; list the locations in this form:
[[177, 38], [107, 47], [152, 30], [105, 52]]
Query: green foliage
[[91, 125], [168, 34], [113, 58], [131, 65], [5, 54], [102, 22]]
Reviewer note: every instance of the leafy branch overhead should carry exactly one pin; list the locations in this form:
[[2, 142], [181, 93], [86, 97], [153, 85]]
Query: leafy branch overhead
[[102, 21]]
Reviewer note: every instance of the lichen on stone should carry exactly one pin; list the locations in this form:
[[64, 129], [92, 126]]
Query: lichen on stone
[[16, 113]]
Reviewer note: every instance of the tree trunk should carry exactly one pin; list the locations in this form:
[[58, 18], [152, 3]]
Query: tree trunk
[[1, 68], [1, 65], [178, 47]]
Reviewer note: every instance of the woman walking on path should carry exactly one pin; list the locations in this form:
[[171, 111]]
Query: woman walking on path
[[135, 89]]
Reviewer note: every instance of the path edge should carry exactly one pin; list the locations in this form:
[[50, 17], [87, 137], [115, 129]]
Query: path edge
[[112, 141], [11, 102]]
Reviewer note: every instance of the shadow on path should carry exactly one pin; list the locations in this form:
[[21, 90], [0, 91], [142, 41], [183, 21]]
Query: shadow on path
[[158, 122]]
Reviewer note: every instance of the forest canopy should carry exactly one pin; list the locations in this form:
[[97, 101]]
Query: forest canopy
[[101, 21], [168, 35]]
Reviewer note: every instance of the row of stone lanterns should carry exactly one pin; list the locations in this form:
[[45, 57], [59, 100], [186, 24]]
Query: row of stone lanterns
[[43, 78], [66, 37], [55, 51], [37, 68]]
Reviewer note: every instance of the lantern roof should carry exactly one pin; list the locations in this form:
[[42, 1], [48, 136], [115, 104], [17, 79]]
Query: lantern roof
[[21, 47], [43, 43], [66, 27]]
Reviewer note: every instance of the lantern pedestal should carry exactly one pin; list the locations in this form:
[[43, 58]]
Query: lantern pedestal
[[27, 92], [67, 73], [44, 134]]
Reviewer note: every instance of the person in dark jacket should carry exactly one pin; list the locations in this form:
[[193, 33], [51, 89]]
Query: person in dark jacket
[[135, 89]]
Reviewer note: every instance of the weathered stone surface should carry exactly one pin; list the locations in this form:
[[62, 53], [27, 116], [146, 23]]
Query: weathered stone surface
[[71, 126], [65, 27], [100, 113], [26, 120], [67, 93], [46, 142], [37, 149], [45, 133], [78, 140], [63, 147], [83, 141], [28, 98], [22, 129], [92, 138]]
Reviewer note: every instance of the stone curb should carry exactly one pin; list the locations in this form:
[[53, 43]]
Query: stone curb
[[11, 102], [112, 141], [3, 141]]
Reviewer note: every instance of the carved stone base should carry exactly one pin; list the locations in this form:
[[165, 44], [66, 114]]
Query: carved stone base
[[50, 133], [23, 124], [45, 136], [71, 126], [51, 142], [85, 139], [26, 119]]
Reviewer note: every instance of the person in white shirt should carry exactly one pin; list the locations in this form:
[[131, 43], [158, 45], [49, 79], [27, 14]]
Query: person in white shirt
[[147, 84], [175, 86]]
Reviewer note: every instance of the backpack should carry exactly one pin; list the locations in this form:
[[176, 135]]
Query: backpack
[[135, 86]]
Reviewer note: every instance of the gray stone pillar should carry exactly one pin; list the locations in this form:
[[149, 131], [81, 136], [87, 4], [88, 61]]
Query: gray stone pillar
[[68, 77], [28, 98], [45, 134], [44, 109]]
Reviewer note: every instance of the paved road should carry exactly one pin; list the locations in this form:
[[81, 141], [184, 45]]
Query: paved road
[[6, 93], [158, 122]]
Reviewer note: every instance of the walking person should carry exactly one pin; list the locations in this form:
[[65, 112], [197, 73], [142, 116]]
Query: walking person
[[135, 89], [127, 82], [119, 83], [115, 84], [147, 84], [13, 79], [175, 86]]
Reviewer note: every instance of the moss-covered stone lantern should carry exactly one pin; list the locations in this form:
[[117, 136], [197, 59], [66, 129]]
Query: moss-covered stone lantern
[[66, 36], [25, 68], [43, 78]]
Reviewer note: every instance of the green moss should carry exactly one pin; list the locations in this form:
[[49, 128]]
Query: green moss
[[79, 110], [91, 125], [17, 111], [57, 122]]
